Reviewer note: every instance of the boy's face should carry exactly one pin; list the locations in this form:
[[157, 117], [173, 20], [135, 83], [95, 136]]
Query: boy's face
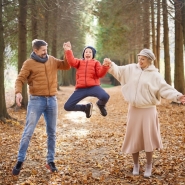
[[88, 54]]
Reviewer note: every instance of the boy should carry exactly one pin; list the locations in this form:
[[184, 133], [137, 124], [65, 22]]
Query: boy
[[88, 74]]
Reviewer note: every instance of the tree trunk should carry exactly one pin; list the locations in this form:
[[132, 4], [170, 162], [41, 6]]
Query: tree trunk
[[34, 28], [46, 26], [158, 35], [183, 20], [22, 45], [179, 81], [54, 39], [54, 30], [3, 111], [153, 29], [146, 23], [166, 43]]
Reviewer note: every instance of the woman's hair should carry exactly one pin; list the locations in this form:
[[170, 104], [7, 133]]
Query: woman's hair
[[36, 44], [150, 60]]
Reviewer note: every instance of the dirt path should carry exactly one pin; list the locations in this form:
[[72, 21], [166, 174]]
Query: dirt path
[[88, 150]]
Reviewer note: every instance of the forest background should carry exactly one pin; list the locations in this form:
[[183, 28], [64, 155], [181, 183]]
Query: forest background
[[117, 29]]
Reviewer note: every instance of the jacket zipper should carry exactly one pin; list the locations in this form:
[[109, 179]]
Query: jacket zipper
[[86, 73], [137, 87], [47, 78]]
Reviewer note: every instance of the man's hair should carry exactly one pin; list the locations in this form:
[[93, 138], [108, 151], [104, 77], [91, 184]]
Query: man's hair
[[36, 44]]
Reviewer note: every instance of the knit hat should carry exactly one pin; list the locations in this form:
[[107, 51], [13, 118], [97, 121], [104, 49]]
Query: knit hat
[[90, 47], [147, 53]]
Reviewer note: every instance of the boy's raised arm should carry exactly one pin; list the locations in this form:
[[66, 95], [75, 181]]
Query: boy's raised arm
[[67, 46]]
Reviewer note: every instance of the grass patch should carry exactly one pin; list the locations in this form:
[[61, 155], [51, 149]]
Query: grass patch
[[106, 85]]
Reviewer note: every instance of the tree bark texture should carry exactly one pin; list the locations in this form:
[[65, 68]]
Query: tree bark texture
[[179, 81], [183, 20], [166, 43], [158, 34], [153, 28], [22, 45], [146, 24], [3, 110], [34, 17]]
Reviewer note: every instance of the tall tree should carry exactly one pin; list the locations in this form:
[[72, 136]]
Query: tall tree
[[34, 17], [46, 25], [54, 37], [146, 24], [166, 43], [22, 51], [157, 64], [54, 28], [183, 20], [153, 27], [179, 81], [3, 111]]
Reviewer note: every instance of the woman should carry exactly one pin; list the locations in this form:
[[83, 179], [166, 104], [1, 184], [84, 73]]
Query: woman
[[143, 86]]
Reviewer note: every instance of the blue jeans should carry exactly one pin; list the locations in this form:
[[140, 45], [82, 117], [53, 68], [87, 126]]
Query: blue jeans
[[37, 106], [81, 93]]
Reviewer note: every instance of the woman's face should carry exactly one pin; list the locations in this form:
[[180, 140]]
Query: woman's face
[[143, 61]]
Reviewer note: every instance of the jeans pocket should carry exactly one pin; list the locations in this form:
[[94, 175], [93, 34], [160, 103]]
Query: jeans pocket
[[55, 98]]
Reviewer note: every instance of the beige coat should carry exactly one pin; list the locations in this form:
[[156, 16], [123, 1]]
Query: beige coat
[[143, 88], [41, 77]]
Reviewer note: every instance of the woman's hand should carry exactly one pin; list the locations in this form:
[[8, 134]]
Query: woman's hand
[[182, 99]]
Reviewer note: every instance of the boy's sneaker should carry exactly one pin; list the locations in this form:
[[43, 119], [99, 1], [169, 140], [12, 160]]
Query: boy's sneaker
[[51, 166], [17, 168], [103, 111], [88, 110]]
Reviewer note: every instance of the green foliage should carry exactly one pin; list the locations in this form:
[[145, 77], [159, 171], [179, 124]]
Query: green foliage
[[10, 24], [117, 27], [72, 25]]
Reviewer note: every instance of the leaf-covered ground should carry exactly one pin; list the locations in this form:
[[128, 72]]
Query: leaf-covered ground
[[88, 150]]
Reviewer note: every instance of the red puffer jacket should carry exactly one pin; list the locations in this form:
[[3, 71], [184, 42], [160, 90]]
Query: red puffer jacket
[[88, 72]]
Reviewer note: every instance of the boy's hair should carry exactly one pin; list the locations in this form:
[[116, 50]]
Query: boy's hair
[[93, 51], [36, 44]]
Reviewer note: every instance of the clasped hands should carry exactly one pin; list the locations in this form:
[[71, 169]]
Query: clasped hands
[[107, 62], [67, 46]]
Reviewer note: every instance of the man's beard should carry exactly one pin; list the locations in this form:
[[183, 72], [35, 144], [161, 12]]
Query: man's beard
[[43, 56]]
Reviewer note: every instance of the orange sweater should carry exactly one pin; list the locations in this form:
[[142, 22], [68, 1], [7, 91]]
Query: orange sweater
[[41, 77]]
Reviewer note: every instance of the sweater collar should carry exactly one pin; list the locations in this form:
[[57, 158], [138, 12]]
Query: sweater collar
[[149, 68]]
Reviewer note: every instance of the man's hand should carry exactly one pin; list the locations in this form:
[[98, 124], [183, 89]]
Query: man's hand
[[18, 99], [106, 62], [67, 46]]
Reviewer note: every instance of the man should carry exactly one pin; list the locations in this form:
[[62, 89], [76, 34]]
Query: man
[[40, 72]]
